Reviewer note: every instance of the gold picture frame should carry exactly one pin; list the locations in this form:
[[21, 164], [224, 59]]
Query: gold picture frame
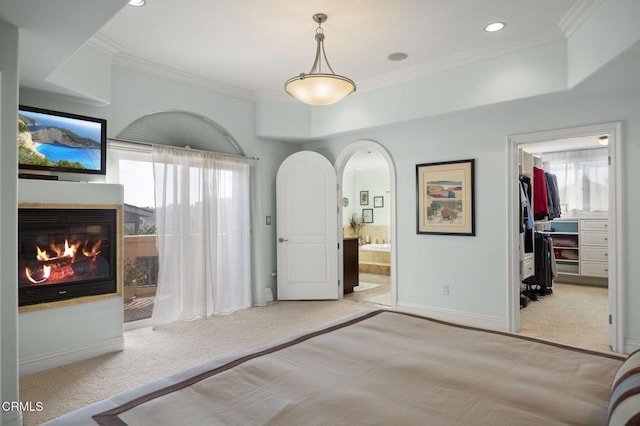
[[446, 198]]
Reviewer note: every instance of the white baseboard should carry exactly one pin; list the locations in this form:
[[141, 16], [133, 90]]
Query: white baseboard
[[132, 325], [458, 317], [38, 363]]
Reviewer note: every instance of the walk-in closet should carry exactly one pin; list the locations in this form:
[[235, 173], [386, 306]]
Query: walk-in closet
[[564, 234]]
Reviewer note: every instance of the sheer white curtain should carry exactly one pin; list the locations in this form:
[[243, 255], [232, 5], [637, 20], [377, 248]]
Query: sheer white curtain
[[583, 179], [202, 214]]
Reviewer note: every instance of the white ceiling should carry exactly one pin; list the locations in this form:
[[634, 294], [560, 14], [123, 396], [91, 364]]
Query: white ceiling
[[256, 46], [250, 47]]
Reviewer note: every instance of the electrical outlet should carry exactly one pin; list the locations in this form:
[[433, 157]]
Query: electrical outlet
[[445, 289]]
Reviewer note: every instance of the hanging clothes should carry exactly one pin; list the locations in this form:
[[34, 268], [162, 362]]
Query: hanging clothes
[[553, 196], [545, 264], [526, 213], [540, 197]]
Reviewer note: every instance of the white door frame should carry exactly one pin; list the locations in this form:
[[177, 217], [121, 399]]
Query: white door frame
[[340, 164], [616, 225]]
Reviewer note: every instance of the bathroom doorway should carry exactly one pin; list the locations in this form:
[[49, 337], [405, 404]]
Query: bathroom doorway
[[366, 179]]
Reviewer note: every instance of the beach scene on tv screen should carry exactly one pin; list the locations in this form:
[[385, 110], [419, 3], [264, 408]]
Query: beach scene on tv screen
[[52, 141]]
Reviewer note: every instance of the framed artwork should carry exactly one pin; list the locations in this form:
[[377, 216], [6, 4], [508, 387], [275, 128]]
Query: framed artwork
[[445, 198], [364, 198], [367, 215], [378, 201]]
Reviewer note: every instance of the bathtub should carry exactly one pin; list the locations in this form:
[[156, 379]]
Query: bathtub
[[376, 247], [375, 259]]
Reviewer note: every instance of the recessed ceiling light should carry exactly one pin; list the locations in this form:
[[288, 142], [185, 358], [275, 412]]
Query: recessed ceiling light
[[397, 56], [137, 3], [495, 26]]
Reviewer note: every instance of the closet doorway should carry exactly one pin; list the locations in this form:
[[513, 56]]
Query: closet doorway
[[366, 179], [582, 237]]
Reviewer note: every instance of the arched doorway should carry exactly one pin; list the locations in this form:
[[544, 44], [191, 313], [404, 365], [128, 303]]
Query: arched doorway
[[371, 201]]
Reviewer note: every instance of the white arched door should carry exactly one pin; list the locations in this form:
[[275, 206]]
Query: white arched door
[[307, 214]]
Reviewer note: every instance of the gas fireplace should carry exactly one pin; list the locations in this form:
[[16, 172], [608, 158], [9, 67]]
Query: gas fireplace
[[66, 253]]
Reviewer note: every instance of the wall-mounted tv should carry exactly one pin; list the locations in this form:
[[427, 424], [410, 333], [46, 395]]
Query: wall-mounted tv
[[53, 141]]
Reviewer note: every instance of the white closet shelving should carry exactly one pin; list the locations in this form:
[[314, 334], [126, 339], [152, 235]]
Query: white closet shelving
[[581, 246]]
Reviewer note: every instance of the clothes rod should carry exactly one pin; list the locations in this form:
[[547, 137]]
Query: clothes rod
[[187, 148]]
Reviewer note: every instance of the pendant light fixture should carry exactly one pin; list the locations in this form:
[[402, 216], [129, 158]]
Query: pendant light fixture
[[318, 87]]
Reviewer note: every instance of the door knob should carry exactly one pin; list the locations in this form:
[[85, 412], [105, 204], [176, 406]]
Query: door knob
[[281, 240]]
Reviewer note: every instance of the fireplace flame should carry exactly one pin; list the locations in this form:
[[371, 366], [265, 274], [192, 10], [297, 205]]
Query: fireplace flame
[[69, 251], [40, 276], [60, 258], [42, 254], [93, 251]]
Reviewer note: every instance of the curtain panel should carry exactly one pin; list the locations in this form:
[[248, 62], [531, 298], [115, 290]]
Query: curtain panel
[[203, 221], [583, 179]]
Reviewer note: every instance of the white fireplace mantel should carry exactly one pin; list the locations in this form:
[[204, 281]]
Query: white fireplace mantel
[[58, 336]]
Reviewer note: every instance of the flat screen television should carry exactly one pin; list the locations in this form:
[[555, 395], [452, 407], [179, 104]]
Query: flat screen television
[[51, 141]]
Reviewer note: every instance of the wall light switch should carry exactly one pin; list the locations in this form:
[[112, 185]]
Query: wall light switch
[[268, 220]]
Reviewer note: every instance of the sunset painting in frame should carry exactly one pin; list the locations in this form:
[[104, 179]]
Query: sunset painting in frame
[[445, 198]]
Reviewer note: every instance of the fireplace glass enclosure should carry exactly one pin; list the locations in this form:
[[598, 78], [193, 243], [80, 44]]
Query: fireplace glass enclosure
[[66, 253]]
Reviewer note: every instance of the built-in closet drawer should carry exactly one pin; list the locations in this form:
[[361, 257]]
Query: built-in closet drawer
[[568, 268], [594, 247], [528, 268], [595, 269], [590, 238], [594, 253], [594, 225]]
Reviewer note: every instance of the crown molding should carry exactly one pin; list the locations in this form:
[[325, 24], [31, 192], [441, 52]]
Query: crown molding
[[453, 61], [114, 49], [105, 44], [173, 74], [576, 15]]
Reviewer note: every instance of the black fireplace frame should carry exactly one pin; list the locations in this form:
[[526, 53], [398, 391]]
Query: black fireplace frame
[[52, 295]]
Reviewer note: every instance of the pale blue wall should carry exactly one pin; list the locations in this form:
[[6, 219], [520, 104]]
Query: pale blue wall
[[610, 30], [8, 220], [349, 192], [378, 186], [86, 74], [475, 268]]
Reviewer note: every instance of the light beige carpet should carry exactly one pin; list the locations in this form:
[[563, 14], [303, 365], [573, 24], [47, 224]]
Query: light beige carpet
[[574, 314], [150, 355]]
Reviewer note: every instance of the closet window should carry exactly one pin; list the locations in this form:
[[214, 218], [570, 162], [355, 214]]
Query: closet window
[[583, 179]]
